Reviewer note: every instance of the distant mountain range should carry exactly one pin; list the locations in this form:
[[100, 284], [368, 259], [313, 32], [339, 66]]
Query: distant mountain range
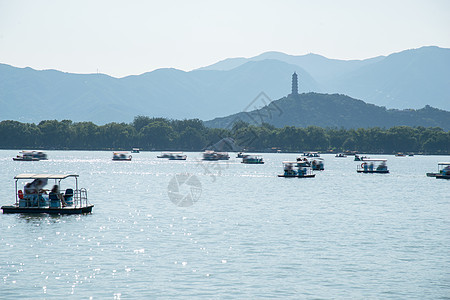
[[409, 79], [335, 111], [28, 95]]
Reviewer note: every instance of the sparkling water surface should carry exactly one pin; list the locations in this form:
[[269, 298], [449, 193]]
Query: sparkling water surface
[[247, 234]]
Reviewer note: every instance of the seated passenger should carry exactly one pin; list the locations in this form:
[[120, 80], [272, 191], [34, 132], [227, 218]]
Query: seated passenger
[[55, 190]]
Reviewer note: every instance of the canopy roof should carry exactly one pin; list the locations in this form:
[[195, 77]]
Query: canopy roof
[[44, 176], [444, 163]]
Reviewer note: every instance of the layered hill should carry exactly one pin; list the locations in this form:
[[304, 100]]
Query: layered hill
[[29, 95], [336, 111], [408, 79]]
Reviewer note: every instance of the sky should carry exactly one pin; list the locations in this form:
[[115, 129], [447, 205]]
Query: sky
[[121, 38]]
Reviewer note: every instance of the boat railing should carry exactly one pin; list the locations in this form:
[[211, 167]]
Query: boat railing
[[80, 197]]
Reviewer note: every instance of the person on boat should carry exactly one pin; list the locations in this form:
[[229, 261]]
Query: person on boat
[[288, 169], [35, 186], [382, 166], [35, 189], [371, 167], [29, 189], [60, 196]]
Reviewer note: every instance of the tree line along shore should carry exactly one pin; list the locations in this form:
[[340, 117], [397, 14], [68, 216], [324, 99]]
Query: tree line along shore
[[192, 135]]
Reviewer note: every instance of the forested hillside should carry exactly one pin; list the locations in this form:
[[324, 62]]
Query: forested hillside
[[192, 135], [335, 110]]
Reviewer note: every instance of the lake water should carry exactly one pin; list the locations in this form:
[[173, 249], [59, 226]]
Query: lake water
[[247, 234]]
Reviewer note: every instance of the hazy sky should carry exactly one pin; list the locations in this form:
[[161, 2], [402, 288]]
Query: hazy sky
[[120, 38]]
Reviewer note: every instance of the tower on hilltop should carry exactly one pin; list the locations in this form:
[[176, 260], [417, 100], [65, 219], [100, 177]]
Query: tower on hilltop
[[294, 84]]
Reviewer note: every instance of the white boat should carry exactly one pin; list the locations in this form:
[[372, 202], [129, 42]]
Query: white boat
[[340, 155], [292, 169], [121, 156], [30, 156], [34, 198], [360, 158], [252, 159], [373, 166], [317, 164], [135, 150], [213, 155], [303, 161], [168, 154], [311, 154], [241, 155], [443, 171], [177, 156]]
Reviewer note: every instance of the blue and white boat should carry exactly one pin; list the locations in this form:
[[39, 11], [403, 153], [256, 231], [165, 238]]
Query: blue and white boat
[[311, 154], [35, 200], [213, 155], [252, 159], [121, 156], [30, 156], [177, 156], [317, 164], [292, 169], [443, 171], [373, 166]]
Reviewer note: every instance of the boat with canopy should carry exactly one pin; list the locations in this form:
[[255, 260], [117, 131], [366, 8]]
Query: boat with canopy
[[293, 169], [443, 171], [373, 166], [35, 199]]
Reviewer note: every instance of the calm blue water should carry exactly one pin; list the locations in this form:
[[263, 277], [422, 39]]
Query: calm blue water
[[248, 234]]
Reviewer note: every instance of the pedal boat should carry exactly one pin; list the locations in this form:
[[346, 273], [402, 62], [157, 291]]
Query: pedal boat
[[177, 156], [30, 156], [293, 170], [373, 166], [121, 156], [40, 203], [443, 171], [253, 160]]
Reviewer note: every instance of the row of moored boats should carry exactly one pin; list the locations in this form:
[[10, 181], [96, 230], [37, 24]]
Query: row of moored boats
[[302, 167], [34, 198]]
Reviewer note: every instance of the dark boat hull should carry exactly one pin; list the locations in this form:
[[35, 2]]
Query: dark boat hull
[[298, 176], [440, 176], [12, 209], [433, 174], [374, 171], [21, 159]]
